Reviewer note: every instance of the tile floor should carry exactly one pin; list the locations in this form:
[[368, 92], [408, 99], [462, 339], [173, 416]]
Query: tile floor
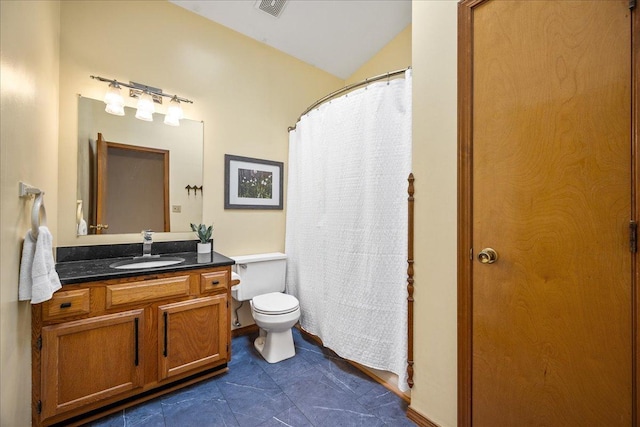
[[314, 388]]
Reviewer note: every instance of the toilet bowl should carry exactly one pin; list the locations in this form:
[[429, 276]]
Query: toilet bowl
[[262, 279], [275, 314]]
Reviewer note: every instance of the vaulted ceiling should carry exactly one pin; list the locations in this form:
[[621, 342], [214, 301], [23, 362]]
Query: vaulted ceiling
[[337, 36]]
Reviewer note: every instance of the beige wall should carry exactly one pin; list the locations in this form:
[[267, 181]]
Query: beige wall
[[245, 92], [434, 165], [394, 56], [28, 152]]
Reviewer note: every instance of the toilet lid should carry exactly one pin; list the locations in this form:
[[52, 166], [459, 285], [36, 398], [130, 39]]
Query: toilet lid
[[275, 303]]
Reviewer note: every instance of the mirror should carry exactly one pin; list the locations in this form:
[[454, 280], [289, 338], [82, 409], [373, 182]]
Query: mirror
[[123, 183]]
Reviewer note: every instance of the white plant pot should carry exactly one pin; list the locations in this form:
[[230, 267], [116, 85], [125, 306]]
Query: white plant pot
[[204, 248]]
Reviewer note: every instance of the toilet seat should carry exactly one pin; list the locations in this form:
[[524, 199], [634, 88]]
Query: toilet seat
[[275, 303]]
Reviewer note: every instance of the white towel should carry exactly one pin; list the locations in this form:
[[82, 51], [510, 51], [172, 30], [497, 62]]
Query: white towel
[[38, 277], [26, 262], [82, 227]]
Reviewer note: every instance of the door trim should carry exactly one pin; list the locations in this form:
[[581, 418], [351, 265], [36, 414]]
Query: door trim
[[465, 207], [465, 212], [101, 178], [635, 204]]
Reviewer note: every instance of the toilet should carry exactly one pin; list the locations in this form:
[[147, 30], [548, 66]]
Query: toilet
[[262, 283]]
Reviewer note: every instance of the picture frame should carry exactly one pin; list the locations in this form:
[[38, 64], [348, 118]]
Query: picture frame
[[252, 183]]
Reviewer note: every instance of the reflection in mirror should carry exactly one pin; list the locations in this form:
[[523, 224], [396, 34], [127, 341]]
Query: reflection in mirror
[[134, 160]]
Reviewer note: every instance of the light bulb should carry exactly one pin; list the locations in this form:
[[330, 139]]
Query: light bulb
[[113, 99], [174, 112], [145, 107], [116, 110]]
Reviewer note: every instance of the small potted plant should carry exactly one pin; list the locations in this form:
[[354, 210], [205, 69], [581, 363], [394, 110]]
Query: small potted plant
[[204, 235]]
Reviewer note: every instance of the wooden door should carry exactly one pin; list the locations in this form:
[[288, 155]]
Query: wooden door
[[191, 334], [546, 181], [89, 360], [132, 188]]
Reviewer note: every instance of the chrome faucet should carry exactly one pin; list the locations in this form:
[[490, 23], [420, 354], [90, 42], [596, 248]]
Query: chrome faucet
[[147, 241]]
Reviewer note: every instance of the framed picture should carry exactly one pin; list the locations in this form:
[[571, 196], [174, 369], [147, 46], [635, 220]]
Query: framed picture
[[252, 183]]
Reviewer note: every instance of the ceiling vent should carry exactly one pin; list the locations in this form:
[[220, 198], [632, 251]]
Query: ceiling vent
[[272, 7]]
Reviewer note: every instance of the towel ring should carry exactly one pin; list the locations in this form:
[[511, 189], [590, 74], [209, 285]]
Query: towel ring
[[79, 212], [38, 215]]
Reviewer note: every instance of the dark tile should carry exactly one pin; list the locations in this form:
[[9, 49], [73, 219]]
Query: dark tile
[[400, 422], [346, 376], [113, 420], [314, 388], [253, 398], [287, 371], [325, 403], [242, 373], [198, 413], [386, 405], [148, 414], [201, 404], [291, 417]]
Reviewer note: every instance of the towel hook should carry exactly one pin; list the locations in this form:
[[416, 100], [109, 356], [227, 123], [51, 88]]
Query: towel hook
[[38, 212], [38, 215]]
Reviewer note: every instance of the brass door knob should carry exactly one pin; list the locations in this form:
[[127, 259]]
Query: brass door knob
[[487, 256]]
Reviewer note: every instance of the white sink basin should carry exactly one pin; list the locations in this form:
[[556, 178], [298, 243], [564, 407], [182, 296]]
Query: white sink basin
[[150, 262]]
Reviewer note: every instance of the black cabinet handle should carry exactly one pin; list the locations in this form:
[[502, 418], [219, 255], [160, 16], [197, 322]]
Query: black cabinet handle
[[216, 282], [166, 323], [65, 305], [136, 339]]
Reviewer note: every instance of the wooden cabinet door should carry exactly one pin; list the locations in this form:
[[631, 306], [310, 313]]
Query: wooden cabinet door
[[192, 334], [92, 359], [549, 186]]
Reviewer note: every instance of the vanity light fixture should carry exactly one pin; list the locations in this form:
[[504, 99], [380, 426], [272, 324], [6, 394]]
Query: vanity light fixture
[[146, 95]]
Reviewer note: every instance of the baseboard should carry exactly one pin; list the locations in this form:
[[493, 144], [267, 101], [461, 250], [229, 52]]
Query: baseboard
[[420, 419], [246, 330]]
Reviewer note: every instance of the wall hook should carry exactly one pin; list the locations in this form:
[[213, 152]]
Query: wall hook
[[195, 189]]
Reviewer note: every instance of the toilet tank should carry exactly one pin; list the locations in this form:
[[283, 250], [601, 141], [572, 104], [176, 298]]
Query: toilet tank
[[259, 274]]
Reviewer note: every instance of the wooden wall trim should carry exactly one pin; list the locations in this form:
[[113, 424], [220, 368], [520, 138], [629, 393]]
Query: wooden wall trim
[[420, 419], [410, 200], [465, 208], [635, 203]]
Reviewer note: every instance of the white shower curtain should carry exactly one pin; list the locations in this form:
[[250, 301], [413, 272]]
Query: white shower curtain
[[346, 236]]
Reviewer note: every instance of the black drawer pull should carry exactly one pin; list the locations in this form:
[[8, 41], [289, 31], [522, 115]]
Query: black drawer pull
[[136, 357], [216, 282], [165, 352], [65, 305]]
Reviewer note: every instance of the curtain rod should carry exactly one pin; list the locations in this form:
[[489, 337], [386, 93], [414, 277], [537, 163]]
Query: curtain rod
[[347, 89]]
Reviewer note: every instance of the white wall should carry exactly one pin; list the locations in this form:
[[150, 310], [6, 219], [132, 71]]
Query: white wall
[[29, 64], [434, 394]]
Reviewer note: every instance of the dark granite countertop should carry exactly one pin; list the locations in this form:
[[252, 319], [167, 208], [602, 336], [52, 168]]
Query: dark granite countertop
[[73, 270]]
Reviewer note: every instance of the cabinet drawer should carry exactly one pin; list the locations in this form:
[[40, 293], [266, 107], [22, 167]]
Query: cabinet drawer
[[67, 303], [147, 290], [213, 281]]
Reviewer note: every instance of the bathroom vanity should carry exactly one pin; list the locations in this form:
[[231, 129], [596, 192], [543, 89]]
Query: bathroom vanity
[[111, 338]]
